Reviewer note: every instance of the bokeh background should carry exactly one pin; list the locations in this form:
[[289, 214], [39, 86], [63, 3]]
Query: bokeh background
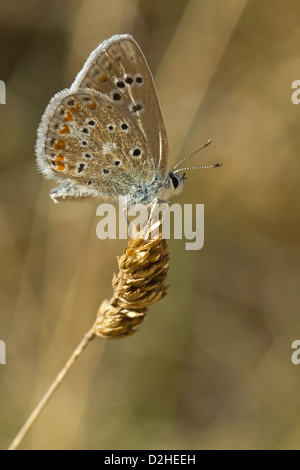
[[211, 367]]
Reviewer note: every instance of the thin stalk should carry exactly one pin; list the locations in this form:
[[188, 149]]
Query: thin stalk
[[52, 389]]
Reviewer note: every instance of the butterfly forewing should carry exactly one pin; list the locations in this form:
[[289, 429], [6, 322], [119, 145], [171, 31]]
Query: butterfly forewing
[[118, 69]]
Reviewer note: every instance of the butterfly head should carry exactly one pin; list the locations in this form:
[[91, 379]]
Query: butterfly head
[[176, 182], [173, 186]]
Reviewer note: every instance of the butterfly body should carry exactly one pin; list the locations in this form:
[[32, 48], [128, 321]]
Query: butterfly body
[[104, 137]]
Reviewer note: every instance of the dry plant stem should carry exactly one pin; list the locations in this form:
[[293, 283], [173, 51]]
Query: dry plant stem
[[139, 283], [52, 389]]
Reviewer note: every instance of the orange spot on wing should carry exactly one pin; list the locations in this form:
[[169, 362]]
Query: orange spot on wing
[[102, 78], [60, 166], [65, 130], [92, 105], [60, 144], [95, 88], [59, 158], [68, 116], [76, 108]]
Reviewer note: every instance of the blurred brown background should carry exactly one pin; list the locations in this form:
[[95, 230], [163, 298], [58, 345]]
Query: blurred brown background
[[211, 367]]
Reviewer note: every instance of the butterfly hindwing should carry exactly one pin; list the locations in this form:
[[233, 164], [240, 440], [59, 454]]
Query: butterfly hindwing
[[85, 138]]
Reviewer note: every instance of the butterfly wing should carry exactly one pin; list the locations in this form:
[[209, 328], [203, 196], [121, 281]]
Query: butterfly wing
[[105, 136], [118, 69], [88, 142]]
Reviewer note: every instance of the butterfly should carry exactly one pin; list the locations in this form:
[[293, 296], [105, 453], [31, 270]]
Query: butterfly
[[104, 136]]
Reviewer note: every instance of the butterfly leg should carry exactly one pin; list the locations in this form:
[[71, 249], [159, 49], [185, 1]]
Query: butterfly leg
[[67, 192]]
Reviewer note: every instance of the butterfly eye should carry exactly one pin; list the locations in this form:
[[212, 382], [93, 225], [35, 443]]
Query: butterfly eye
[[175, 181]]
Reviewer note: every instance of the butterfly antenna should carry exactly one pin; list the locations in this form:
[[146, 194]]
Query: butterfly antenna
[[198, 167], [191, 154]]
